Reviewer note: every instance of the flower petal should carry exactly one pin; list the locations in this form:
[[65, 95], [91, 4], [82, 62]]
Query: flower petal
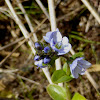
[[48, 37], [39, 63], [57, 36], [52, 44], [85, 63], [64, 40], [75, 75]]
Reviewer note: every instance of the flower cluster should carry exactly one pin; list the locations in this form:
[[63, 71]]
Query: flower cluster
[[41, 58], [57, 45]]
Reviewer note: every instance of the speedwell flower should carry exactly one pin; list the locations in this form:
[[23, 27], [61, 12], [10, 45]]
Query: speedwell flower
[[79, 66], [60, 44], [39, 63]]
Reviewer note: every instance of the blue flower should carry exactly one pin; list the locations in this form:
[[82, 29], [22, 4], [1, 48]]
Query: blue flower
[[38, 46], [36, 58], [48, 36], [46, 60], [60, 44], [79, 66], [39, 63], [46, 49]]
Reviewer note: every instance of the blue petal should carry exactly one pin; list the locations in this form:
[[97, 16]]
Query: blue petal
[[48, 37], [36, 58], [57, 36], [85, 63], [75, 75], [39, 63], [65, 49], [52, 44], [64, 40], [46, 60]]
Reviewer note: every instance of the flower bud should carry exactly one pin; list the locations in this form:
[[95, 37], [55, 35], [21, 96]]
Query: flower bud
[[46, 49], [36, 58], [46, 60], [38, 46]]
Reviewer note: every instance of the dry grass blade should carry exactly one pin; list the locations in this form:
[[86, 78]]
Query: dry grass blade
[[10, 44], [43, 8], [26, 34], [53, 28], [27, 19], [94, 68], [92, 10], [2, 62]]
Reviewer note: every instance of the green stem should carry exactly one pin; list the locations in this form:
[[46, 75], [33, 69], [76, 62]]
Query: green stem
[[68, 92]]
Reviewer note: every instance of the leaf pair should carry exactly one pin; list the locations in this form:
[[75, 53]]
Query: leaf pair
[[60, 76], [59, 93]]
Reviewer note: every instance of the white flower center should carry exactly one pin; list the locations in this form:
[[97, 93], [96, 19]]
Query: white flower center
[[58, 45]]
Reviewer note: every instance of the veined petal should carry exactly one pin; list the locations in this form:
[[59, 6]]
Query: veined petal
[[73, 65], [67, 48], [85, 63], [75, 75], [77, 71], [39, 63], [61, 52], [52, 44], [48, 34], [48, 37], [57, 36], [64, 40]]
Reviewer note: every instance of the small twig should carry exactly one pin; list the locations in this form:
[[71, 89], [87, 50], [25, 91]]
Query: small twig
[[29, 80], [27, 19], [12, 43], [88, 23], [2, 62], [43, 8], [8, 71], [95, 85], [20, 24], [20, 44], [3, 52], [92, 10], [6, 11], [70, 13], [12, 72], [53, 28]]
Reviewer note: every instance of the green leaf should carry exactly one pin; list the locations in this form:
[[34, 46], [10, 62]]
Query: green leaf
[[56, 92], [60, 76], [78, 96], [79, 54], [66, 68]]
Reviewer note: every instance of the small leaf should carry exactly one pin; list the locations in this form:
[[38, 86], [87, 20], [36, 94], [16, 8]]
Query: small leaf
[[60, 76], [78, 96], [56, 92], [79, 54], [66, 68]]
